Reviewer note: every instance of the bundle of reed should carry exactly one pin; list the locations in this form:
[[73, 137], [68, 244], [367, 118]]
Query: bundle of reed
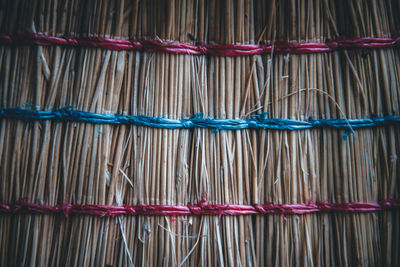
[[82, 193]]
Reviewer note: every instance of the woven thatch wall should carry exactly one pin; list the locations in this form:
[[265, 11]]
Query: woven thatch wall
[[50, 162]]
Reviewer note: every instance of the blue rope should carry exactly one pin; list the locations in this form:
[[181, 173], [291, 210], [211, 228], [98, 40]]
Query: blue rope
[[198, 121]]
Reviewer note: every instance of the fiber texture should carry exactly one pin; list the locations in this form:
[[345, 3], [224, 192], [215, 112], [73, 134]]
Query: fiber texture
[[52, 165]]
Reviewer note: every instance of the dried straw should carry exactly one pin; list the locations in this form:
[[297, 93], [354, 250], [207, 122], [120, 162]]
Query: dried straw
[[52, 162]]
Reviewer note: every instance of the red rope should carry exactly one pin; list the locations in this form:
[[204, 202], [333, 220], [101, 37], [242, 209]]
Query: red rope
[[209, 49], [201, 208]]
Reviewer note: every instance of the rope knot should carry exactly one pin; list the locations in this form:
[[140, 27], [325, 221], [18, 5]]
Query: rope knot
[[195, 209], [187, 123], [253, 124], [203, 203], [66, 210], [260, 208], [131, 210], [324, 206], [203, 49]]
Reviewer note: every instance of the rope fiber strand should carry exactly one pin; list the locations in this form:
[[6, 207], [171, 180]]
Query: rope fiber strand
[[198, 121], [157, 45], [201, 208]]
